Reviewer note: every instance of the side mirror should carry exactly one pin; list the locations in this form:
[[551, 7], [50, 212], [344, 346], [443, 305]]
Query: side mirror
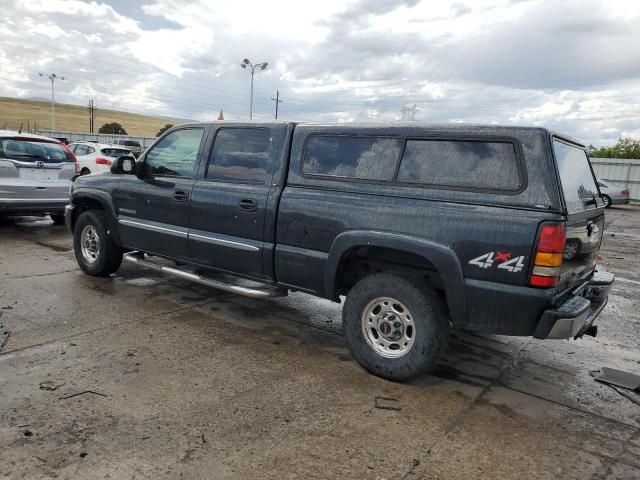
[[125, 164]]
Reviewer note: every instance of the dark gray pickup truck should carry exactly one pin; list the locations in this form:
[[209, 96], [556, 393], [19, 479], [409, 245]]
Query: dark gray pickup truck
[[423, 228]]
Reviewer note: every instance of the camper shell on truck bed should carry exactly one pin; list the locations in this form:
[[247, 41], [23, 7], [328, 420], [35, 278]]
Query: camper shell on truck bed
[[422, 228]]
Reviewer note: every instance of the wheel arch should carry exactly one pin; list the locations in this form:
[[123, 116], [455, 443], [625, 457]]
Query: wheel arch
[[95, 200], [443, 259]]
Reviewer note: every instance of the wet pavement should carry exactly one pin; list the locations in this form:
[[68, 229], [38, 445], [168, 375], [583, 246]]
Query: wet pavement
[[145, 376]]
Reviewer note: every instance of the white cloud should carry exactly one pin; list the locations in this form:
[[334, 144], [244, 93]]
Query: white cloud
[[572, 66]]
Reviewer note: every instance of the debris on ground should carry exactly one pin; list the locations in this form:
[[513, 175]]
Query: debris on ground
[[50, 386], [82, 393], [611, 376], [4, 338], [387, 403], [624, 383]]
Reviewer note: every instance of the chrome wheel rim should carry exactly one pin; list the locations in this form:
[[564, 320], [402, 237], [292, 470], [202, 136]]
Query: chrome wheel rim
[[90, 243], [388, 327], [606, 201]]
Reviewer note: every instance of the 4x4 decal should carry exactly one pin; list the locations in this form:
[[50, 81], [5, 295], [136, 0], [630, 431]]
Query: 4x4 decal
[[502, 259]]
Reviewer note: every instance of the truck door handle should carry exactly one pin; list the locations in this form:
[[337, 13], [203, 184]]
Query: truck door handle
[[248, 204], [181, 196]]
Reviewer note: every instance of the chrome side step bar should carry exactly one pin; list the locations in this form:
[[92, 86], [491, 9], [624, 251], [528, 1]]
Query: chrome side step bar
[[263, 292]]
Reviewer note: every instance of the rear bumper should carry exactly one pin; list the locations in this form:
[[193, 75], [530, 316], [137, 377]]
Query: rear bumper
[[578, 312], [32, 205]]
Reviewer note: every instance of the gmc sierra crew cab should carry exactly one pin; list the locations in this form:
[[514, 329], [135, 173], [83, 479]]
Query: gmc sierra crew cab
[[422, 228]]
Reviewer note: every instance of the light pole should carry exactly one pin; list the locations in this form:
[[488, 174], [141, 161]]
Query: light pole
[[262, 66], [53, 77]]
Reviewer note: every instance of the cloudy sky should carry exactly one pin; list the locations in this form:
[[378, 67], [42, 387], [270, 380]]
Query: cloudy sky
[[569, 65]]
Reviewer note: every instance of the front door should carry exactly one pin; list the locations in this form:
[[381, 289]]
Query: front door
[[228, 203], [153, 205]]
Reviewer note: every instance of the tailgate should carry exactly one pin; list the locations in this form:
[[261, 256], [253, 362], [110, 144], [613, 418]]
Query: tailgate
[[584, 210]]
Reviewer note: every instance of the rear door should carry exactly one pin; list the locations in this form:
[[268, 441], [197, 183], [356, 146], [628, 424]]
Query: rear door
[[32, 171], [229, 201], [153, 206], [584, 209]]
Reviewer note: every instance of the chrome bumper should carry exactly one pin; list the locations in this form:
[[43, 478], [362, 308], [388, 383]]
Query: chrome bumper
[[577, 314]]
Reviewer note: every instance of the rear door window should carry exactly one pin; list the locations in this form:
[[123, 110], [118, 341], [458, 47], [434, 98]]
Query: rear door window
[[240, 154], [368, 158], [33, 151], [578, 183], [460, 164], [81, 150]]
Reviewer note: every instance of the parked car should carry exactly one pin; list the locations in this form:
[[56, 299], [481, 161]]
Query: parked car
[[423, 229], [613, 195], [96, 157], [133, 145], [35, 174]]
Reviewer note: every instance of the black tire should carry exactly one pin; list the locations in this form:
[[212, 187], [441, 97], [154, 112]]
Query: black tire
[[607, 201], [109, 254], [429, 317], [58, 218]]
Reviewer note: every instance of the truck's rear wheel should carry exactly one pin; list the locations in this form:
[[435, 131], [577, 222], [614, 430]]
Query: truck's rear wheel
[[96, 252], [396, 327]]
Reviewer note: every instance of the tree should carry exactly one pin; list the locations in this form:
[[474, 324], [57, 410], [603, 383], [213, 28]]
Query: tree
[[164, 129], [625, 148], [113, 128]]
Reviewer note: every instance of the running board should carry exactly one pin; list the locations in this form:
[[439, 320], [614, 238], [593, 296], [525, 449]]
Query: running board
[[260, 292]]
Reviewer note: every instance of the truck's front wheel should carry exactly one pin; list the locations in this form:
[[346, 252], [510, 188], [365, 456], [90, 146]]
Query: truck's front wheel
[[96, 252], [395, 326]]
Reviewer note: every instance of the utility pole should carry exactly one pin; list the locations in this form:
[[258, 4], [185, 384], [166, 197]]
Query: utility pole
[[53, 77], [247, 64], [91, 115], [277, 100]]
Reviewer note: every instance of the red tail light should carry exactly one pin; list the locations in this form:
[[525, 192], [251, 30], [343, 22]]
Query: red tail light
[[73, 157], [103, 161], [548, 256], [625, 192]]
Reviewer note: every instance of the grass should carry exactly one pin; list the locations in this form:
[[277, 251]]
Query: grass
[[74, 118]]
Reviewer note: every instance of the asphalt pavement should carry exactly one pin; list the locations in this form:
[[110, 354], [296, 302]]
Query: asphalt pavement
[[145, 376]]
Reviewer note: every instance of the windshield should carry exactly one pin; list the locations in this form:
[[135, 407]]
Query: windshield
[[578, 184], [32, 150], [131, 143], [114, 152]]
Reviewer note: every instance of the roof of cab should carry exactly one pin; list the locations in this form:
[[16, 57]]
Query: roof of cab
[[396, 126]]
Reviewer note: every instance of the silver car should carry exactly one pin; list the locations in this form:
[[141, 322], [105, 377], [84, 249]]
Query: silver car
[[35, 174], [613, 195]]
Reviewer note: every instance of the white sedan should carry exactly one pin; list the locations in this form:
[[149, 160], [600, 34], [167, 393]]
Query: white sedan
[[96, 157]]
